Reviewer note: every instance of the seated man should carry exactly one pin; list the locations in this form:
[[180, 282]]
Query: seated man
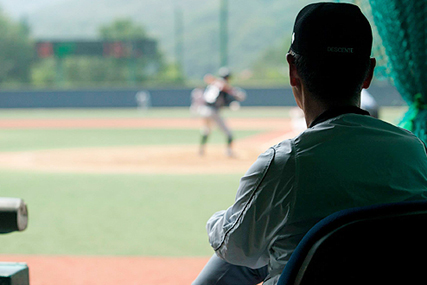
[[344, 159]]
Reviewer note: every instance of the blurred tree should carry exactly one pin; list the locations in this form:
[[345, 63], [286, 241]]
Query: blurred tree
[[122, 30], [16, 52], [43, 73], [270, 68], [135, 70], [169, 74], [153, 68]]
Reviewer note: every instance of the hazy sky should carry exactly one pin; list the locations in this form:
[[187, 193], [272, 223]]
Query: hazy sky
[[20, 8]]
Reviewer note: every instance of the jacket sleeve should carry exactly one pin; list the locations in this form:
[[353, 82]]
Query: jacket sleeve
[[243, 233]]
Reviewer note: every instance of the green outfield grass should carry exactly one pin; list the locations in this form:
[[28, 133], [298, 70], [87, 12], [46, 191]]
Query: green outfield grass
[[120, 214], [33, 139], [116, 214]]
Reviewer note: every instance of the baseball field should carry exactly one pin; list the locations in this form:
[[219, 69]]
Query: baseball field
[[121, 196]]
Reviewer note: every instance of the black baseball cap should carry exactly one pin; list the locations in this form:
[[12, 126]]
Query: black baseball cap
[[332, 29]]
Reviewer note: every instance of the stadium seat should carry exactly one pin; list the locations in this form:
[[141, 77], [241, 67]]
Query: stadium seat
[[380, 244]]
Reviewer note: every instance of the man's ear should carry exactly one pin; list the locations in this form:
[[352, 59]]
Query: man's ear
[[293, 74], [370, 75]]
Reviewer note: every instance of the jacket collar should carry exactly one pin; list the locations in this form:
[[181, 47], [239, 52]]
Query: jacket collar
[[335, 112]]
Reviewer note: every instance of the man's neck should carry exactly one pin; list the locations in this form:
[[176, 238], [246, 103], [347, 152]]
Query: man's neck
[[314, 108], [312, 113], [338, 111]]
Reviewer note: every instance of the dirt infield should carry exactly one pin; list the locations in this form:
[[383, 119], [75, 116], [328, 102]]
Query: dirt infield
[[173, 159], [131, 123]]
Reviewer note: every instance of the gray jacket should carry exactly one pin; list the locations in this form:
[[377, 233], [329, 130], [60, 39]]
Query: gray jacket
[[346, 161]]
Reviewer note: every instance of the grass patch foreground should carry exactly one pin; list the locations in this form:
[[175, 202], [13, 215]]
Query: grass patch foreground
[[150, 215]]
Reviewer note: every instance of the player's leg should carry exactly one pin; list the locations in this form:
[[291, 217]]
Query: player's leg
[[226, 130], [206, 130], [229, 150], [220, 272]]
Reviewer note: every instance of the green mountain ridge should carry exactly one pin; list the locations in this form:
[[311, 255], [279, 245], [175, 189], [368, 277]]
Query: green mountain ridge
[[254, 26]]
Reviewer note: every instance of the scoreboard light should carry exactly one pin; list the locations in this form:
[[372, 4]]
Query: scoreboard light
[[116, 49], [44, 50]]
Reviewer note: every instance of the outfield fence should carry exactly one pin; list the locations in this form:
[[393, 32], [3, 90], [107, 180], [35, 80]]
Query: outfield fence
[[385, 95]]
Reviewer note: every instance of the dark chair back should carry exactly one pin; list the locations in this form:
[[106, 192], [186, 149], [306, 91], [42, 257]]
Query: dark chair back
[[380, 244]]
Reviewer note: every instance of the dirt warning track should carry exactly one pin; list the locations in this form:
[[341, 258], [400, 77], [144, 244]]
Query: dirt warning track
[[89, 270]]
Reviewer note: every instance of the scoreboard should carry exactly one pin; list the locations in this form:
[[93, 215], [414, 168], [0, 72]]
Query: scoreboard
[[115, 49]]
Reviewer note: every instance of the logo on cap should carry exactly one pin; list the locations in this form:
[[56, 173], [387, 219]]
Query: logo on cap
[[340, 49]]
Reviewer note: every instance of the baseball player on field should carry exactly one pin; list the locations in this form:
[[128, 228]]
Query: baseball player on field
[[218, 93]]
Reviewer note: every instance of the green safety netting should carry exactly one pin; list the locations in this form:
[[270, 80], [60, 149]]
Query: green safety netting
[[402, 25]]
